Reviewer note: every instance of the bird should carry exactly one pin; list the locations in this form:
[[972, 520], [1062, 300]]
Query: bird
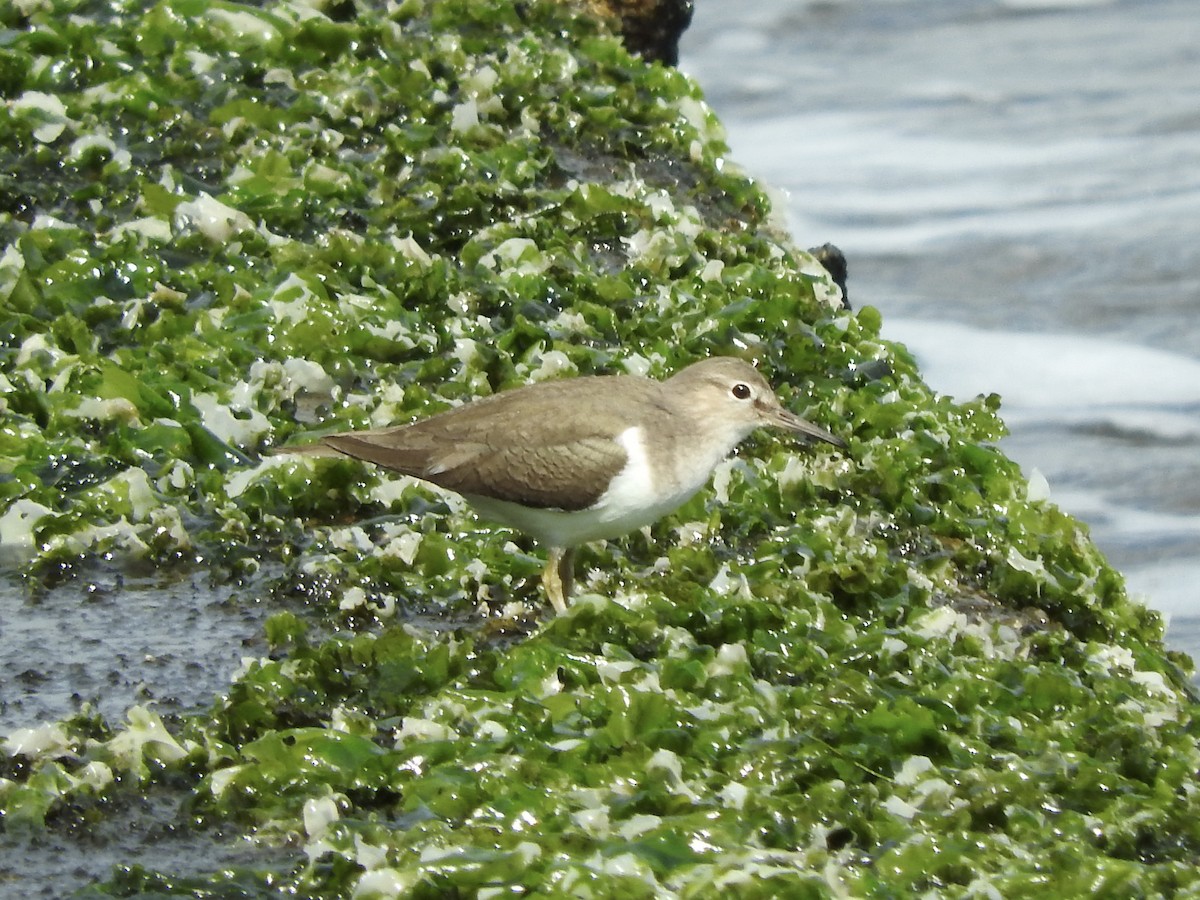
[[581, 459]]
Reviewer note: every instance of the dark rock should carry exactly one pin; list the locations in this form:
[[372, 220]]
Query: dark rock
[[650, 28], [835, 264]]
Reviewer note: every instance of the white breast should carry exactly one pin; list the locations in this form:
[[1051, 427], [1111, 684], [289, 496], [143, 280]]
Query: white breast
[[639, 494], [636, 497]]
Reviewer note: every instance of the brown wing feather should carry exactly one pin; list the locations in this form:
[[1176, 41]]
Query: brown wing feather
[[491, 448], [563, 476]]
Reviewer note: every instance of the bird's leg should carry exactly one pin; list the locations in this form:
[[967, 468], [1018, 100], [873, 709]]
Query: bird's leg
[[558, 578], [566, 574]]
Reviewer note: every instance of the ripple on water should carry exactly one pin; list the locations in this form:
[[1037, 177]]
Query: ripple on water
[[114, 640]]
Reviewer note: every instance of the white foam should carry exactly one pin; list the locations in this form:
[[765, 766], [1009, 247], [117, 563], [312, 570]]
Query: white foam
[[1170, 587], [1058, 373], [881, 185], [1129, 522]]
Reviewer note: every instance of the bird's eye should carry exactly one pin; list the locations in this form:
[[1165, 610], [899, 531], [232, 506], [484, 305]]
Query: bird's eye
[[741, 391]]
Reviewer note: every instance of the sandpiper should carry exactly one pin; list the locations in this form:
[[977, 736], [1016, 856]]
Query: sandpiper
[[581, 459]]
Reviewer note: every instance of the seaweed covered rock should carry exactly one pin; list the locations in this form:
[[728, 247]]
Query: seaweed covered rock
[[879, 673]]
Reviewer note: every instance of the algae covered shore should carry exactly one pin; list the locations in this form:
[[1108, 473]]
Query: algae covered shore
[[879, 672]]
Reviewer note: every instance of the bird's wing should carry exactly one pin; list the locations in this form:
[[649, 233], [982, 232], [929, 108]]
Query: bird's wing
[[491, 448], [570, 475]]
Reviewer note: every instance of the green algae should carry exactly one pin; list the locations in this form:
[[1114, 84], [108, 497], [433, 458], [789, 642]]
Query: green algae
[[883, 672]]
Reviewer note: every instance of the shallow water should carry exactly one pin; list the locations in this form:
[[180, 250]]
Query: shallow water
[[147, 829], [110, 641], [104, 642], [1017, 187]]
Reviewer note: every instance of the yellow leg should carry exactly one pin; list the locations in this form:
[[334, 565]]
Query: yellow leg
[[558, 578]]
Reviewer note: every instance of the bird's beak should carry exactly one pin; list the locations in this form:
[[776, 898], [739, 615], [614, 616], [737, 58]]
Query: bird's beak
[[782, 418]]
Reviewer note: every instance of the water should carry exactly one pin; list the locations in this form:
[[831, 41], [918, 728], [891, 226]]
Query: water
[[1016, 184], [108, 641], [104, 642]]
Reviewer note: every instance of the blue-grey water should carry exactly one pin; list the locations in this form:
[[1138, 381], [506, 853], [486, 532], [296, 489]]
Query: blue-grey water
[[1016, 184]]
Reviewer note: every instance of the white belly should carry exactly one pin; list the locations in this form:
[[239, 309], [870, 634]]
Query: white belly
[[634, 499]]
